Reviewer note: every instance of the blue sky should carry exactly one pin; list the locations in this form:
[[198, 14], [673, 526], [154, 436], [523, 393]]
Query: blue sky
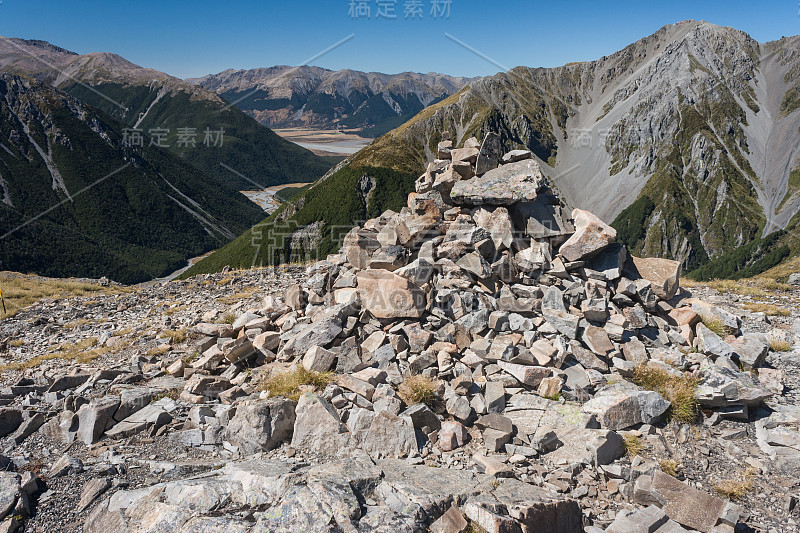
[[193, 38]]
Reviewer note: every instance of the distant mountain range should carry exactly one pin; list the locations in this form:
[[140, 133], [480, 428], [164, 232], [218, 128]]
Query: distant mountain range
[[306, 96], [76, 200], [151, 100], [686, 140]]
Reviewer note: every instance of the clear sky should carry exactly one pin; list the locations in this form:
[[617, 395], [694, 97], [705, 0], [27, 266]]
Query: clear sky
[[194, 38]]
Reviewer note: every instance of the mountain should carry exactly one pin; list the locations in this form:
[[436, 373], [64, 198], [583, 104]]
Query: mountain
[[75, 200], [686, 140], [148, 99], [307, 96]]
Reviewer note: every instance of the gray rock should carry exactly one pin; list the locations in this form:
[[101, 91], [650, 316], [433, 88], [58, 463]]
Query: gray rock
[[490, 153], [10, 491], [495, 395], [261, 425], [10, 419], [91, 491], [152, 417], [542, 218], [711, 344], [509, 184], [721, 386], [422, 417], [647, 520], [686, 505], [516, 155], [95, 417], [555, 312], [320, 333], [66, 464], [317, 426], [751, 349]]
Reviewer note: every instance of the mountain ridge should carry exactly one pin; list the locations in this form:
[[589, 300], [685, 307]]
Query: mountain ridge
[[309, 96], [148, 99], [697, 123]]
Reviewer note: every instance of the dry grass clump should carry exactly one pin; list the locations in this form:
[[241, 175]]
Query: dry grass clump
[[237, 297], [745, 287], [417, 389], [173, 394], [228, 318], [767, 309], [669, 467], [20, 290], [81, 352], [158, 350], [736, 489], [679, 390], [176, 336], [778, 345], [633, 445], [714, 324], [293, 383]]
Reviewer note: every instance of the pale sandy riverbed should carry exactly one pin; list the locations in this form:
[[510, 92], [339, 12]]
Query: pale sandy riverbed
[[325, 142]]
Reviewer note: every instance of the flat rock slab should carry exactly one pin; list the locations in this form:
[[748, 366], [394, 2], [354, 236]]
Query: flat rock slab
[[507, 185]]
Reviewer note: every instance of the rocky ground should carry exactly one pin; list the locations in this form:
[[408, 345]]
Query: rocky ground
[[479, 361]]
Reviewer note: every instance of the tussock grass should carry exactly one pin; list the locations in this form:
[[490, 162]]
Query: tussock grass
[[633, 445], [21, 290], [228, 318], [669, 467], [714, 324], [777, 345], [176, 336], [81, 352], [238, 296], [169, 393], [16, 343], [758, 286], [679, 390], [417, 389], [158, 350], [767, 309], [291, 384], [736, 489]]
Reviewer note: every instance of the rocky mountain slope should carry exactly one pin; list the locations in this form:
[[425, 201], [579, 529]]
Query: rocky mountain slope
[[308, 96], [686, 140], [149, 100], [76, 201], [482, 359]]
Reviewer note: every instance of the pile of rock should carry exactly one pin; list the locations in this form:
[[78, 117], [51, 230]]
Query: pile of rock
[[528, 325]]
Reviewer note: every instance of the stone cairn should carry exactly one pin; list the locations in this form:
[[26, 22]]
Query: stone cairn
[[529, 323]]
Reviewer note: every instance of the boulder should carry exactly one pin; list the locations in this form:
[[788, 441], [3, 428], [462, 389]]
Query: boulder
[[686, 505], [490, 153], [720, 386], [317, 426], [506, 185], [663, 274], [387, 295], [261, 425], [591, 236]]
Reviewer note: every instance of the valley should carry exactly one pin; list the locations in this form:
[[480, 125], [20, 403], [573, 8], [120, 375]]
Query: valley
[[326, 142]]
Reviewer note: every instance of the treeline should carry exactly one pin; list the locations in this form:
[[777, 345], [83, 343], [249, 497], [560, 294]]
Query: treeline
[[325, 213], [745, 261]]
